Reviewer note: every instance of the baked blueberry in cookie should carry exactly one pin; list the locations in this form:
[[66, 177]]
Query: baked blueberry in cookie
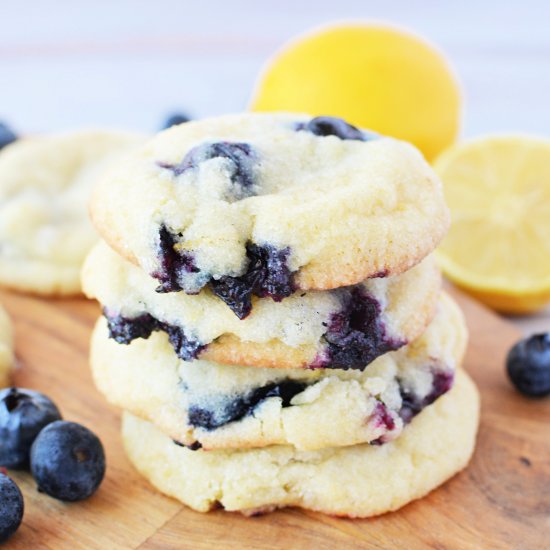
[[412, 404], [126, 329], [173, 265], [240, 161], [222, 409], [333, 126], [356, 335], [267, 275]]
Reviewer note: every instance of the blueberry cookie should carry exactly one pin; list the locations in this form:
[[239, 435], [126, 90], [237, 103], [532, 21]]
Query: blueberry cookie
[[344, 328], [215, 406], [267, 205], [357, 481], [6, 348], [45, 184]]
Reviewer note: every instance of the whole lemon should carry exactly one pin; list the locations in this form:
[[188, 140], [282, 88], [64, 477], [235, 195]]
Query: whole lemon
[[373, 76]]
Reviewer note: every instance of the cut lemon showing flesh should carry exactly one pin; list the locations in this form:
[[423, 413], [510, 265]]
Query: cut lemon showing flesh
[[373, 75], [498, 247]]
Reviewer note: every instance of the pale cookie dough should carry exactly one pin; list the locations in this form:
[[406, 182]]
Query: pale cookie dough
[[358, 481], [342, 328], [215, 406], [267, 205], [6, 348], [45, 182]]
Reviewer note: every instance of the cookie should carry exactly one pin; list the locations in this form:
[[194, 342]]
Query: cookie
[[6, 348], [45, 182], [358, 481], [206, 404], [269, 205], [341, 328]]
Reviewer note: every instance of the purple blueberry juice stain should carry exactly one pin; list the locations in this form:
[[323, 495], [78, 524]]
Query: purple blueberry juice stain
[[413, 404], [126, 329], [356, 335], [221, 410], [333, 126]]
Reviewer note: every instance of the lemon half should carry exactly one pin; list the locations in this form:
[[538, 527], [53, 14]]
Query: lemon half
[[498, 247]]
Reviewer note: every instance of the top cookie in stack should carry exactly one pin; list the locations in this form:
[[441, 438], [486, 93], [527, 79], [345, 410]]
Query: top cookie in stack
[[269, 205]]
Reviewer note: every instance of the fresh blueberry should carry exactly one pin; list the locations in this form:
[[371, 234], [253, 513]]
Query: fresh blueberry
[[7, 135], [528, 365], [333, 126], [23, 414], [174, 119], [11, 507], [67, 461]]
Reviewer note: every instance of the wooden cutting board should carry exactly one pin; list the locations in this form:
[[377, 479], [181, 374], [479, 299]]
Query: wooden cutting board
[[501, 501]]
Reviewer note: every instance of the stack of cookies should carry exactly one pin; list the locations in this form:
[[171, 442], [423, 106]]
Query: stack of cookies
[[273, 322]]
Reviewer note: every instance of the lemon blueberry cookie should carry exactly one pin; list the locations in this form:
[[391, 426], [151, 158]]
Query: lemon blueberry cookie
[[341, 328], [206, 404], [357, 481], [45, 184], [268, 205], [6, 348]]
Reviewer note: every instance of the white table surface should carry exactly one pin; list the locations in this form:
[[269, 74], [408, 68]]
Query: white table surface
[[126, 63]]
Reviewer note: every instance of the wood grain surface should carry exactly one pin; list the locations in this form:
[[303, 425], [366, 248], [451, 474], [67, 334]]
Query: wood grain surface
[[501, 501]]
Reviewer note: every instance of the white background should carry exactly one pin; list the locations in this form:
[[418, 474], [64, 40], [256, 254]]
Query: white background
[[66, 64]]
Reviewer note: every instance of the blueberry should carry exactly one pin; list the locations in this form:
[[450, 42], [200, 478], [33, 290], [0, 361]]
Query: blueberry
[[126, 329], [172, 263], [7, 135], [267, 275], [241, 161], [12, 507], [67, 461], [528, 365], [356, 335], [333, 126], [23, 413], [221, 410], [174, 119]]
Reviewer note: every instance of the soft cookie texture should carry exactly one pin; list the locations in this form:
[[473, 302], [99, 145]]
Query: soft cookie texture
[[45, 183], [215, 406], [6, 348], [340, 328], [264, 204], [358, 481]]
